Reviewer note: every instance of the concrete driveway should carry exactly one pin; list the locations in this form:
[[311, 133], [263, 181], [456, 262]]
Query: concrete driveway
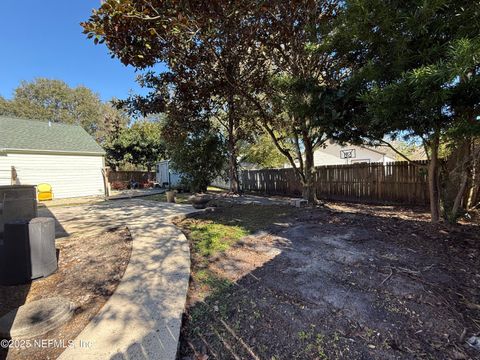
[[142, 318]]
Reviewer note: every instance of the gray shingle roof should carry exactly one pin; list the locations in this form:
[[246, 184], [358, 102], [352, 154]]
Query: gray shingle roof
[[36, 135]]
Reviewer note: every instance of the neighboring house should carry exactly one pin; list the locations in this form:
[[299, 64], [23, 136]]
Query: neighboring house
[[65, 156], [335, 154]]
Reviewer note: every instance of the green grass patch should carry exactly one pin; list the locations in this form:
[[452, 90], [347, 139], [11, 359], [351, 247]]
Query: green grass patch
[[215, 231], [210, 238], [206, 277], [250, 217]]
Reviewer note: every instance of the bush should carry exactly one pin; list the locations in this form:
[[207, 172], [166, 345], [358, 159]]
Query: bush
[[199, 157], [119, 185]]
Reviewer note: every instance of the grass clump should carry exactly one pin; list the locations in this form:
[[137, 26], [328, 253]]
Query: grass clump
[[210, 238]]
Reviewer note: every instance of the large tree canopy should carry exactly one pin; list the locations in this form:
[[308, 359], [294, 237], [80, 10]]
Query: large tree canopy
[[303, 72], [270, 61], [419, 75], [140, 145], [206, 48], [54, 100]]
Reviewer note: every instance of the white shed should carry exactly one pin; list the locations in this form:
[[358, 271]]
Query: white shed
[[166, 176], [65, 156]]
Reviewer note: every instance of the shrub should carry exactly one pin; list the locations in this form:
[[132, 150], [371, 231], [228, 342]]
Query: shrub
[[119, 185]]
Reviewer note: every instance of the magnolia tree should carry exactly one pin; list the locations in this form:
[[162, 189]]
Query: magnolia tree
[[250, 65], [304, 72], [201, 43]]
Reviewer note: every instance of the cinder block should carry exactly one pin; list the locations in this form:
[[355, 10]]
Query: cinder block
[[299, 202]]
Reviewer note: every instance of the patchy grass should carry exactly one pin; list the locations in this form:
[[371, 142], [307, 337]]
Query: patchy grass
[[250, 217], [211, 233], [215, 231], [180, 198], [210, 238], [356, 282]]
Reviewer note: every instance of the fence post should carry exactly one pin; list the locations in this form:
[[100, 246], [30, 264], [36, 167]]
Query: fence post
[[13, 176], [393, 182]]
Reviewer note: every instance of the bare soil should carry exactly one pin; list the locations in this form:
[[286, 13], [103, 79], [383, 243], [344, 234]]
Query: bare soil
[[89, 270], [347, 281]]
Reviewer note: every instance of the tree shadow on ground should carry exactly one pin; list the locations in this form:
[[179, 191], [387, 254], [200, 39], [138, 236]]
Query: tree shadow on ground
[[142, 318], [14, 296], [343, 285]]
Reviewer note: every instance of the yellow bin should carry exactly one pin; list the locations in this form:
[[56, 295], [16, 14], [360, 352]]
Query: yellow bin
[[44, 192]]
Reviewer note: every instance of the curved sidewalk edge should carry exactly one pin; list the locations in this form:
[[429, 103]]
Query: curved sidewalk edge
[[142, 319]]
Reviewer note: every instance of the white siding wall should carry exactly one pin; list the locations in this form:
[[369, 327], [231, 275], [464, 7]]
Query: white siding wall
[[69, 175], [165, 174], [331, 155]]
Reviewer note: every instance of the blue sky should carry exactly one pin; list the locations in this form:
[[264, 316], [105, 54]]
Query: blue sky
[[43, 38]]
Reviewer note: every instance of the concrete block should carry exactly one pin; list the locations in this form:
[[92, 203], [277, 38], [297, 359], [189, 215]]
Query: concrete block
[[299, 202]]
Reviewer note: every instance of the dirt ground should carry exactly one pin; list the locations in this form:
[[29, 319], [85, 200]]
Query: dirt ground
[[89, 270], [342, 282]]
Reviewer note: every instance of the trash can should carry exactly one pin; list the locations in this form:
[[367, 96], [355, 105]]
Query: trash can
[[28, 251]]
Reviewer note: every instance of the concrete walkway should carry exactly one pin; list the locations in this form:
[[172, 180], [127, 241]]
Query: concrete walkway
[[142, 318]]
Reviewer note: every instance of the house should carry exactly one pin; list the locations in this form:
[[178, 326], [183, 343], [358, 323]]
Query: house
[[335, 154], [65, 156]]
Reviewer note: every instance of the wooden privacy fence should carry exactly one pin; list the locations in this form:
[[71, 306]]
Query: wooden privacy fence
[[138, 176], [397, 182]]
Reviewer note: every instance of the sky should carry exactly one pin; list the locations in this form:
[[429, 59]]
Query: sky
[[43, 38]]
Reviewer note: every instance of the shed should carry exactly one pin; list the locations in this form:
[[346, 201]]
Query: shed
[[65, 156], [166, 176]]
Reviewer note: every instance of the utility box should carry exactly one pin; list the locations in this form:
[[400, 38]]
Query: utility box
[[17, 202], [28, 251]]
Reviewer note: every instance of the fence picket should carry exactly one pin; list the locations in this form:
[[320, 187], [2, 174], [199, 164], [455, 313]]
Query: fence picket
[[395, 182]]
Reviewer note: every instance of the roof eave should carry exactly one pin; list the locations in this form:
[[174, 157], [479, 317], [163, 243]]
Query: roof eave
[[374, 150], [52, 152]]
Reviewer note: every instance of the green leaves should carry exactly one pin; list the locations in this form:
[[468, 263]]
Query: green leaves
[[141, 145], [420, 56], [198, 154]]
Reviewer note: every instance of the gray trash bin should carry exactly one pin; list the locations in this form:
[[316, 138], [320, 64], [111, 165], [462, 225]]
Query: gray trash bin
[[28, 251]]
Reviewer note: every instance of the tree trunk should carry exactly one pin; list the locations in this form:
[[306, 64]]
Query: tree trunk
[[455, 187], [309, 192], [232, 146], [458, 199], [233, 167], [433, 180], [474, 191]]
